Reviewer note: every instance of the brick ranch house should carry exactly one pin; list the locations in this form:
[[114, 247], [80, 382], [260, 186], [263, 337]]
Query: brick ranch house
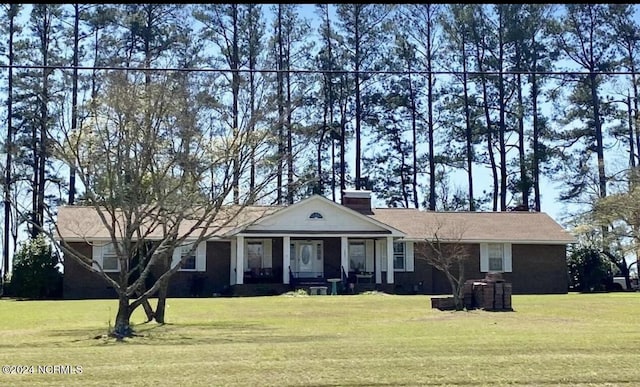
[[278, 248]]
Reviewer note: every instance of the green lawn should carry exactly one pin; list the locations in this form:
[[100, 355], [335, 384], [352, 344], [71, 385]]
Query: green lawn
[[368, 340]]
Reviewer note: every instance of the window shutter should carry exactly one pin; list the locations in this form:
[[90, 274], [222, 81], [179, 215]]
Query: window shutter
[[408, 256], [368, 251], [201, 257], [267, 253], [175, 258], [484, 257], [381, 250], [508, 265], [96, 256]]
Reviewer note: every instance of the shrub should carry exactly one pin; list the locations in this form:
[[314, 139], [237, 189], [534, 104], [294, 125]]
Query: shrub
[[588, 270], [35, 274]]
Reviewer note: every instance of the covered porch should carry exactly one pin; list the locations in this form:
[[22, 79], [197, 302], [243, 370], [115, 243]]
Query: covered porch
[[313, 241], [298, 259]]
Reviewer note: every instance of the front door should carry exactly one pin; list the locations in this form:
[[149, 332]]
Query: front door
[[307, 258]]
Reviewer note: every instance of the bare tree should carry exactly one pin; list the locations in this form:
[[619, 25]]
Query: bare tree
[[447, 252], [150, 186]]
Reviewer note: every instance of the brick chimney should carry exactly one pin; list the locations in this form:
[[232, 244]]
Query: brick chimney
[[358, 200]]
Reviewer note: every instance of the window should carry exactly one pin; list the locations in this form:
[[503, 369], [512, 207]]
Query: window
[[357, 256], [315, 215], [398, 256], [495, 257], [254, 255], [110, 260], [195, 260], [403, 260], [190, 262]]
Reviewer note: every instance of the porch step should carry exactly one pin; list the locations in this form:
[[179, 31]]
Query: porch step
[[312, 283], [259, 289]]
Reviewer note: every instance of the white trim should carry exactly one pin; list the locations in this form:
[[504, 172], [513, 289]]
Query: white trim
[[355, 234], [357, 193], [344, 254], [512, 241], [200, 254], [90, 240], [97, 252], [238, 230], [96, 256], [507, 257], [484, 257], [409, 259], [239, 260], [201, 257], [390, 260], [381, 249]]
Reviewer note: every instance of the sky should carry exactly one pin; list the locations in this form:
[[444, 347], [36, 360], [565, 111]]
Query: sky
[[550, 189]]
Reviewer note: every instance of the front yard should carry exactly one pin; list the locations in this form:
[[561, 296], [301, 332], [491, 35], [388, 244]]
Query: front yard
[[376, 339]]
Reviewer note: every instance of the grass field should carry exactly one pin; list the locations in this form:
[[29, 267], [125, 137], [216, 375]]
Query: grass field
[[364, 340]]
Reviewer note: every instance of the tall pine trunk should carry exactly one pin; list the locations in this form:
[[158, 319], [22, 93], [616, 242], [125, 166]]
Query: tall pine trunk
[[432, 159], [280, 92], [502, 107], [235, 87], [9, 149], [487, 116], [356, 60], [74, 96], [536, 130], [602, 178], [468, 127]]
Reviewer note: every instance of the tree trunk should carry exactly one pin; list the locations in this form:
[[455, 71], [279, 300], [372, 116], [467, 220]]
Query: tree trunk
[[487, 114], [289, 109], [74, 97], [122, 327], [602, 178], [524, 179], [469, 129], [432, 159], [146, 305], [356, 59], [9, 149], [235, 86], [280, 93], [536, 136], [502, 127], [455, 291], [162, 302]]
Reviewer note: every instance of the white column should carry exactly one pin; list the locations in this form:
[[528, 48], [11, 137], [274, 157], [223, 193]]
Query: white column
[[286, 259], [239, 260], [389, 260], [344, 254], [379, 245]]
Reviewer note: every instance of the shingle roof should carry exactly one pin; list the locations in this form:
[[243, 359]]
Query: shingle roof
[[534, 227], [84, 222]]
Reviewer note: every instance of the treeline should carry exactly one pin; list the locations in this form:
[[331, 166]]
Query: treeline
[[393, 98]]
